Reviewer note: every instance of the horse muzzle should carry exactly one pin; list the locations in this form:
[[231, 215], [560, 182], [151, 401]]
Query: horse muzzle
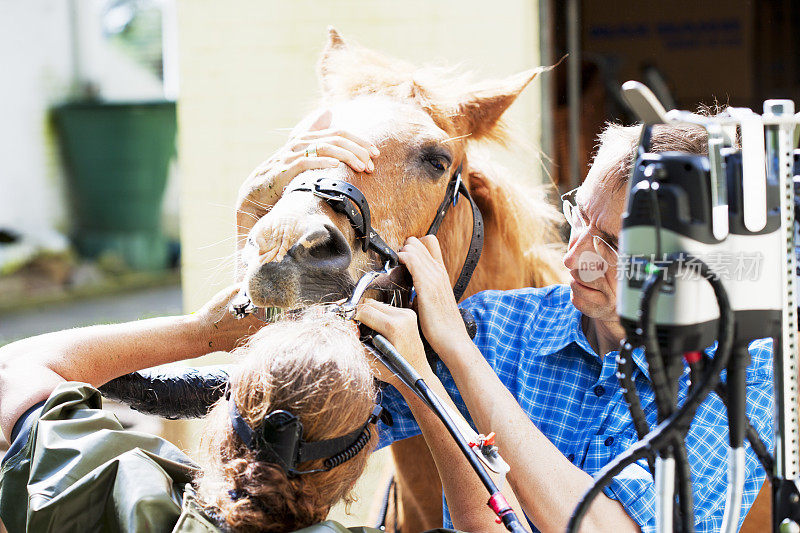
[[313, 270]]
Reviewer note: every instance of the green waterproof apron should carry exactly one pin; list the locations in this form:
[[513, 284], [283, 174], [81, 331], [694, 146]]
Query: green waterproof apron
[[80, 470]]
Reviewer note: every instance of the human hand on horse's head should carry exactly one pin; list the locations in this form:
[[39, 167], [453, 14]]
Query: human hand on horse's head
[[313, 145], [438, 311], [399, 326], [222, 331]]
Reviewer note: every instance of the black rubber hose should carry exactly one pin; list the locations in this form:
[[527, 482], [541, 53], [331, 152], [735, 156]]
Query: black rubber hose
[[665, 399], [638, 451], [683, 479], [737, 394], [759, 448], [665, 381], [509, 518], [433, 400], [695, 373], [624, 374], [411, 377], [668, 430], [171, 392]]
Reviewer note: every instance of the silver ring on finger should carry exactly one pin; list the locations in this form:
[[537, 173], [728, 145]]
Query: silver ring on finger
[[311, 151]]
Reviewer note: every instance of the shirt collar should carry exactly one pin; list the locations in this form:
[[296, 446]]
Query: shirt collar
[[562, 322], [568, 329]]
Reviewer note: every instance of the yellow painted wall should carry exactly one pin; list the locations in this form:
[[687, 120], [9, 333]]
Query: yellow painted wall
[[247, 75]]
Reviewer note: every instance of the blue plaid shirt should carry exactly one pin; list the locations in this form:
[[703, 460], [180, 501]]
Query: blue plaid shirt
[[534, 341]]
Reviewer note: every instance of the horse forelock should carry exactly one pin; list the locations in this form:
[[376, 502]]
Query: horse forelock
[[436, 89]]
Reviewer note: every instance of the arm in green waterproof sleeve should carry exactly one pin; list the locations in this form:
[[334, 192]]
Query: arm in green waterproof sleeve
[[77, 454]]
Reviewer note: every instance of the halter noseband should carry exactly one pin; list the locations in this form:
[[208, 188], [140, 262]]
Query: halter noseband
[[345, 198]]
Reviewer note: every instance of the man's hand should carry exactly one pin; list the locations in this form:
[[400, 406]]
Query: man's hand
[[399, 326], [438, 311], [264, 187]]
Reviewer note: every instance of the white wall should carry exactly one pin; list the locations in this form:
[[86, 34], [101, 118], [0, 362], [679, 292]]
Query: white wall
[[36, 72]]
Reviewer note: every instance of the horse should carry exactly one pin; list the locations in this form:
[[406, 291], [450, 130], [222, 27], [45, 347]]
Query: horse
[[294, 249]]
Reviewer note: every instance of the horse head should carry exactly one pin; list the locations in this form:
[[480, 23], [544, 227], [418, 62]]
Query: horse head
[[295, 250]]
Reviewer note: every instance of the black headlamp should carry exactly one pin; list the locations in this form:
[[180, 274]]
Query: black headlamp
[[279, 439]]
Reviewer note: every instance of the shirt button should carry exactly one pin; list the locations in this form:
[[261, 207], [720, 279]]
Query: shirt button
[[599, 390], [571, 457], [609, 441]]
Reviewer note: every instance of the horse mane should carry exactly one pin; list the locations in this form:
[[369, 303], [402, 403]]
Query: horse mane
[[521, 222], [438, 89]]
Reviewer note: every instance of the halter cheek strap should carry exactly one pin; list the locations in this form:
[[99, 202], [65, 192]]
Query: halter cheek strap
[[455, 188]]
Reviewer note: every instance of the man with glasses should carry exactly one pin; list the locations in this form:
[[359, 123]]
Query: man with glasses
[[555, 350], [593, 264]]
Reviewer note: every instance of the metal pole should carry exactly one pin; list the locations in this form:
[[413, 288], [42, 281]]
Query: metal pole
[[574, 90], [665, 493], [548, 83], [779, 160]]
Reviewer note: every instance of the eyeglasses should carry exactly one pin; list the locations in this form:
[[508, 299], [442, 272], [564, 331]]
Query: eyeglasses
[[578, 225]]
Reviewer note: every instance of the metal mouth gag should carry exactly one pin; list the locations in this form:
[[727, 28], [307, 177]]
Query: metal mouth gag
[[241, 305], [347, 310]]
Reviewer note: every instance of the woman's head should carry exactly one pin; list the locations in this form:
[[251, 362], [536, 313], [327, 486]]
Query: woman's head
[[314, 368]]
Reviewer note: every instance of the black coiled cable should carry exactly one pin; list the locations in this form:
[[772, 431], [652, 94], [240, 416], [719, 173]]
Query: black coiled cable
[[665, 379], [683, 473], [628, 386], [349, 452]]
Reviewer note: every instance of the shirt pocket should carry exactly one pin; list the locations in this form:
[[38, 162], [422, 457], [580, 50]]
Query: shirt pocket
[[604, 448]]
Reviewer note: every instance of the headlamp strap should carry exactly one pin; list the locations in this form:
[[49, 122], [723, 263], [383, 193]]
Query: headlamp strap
[[279, 439]]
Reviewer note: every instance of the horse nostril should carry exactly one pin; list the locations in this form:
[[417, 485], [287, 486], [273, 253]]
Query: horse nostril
[[324, 248]]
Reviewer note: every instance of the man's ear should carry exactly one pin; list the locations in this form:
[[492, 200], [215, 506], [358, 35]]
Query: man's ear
[[478, 110]]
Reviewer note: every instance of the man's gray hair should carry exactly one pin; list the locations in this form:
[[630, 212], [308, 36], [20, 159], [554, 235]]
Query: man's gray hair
[[617, 146]]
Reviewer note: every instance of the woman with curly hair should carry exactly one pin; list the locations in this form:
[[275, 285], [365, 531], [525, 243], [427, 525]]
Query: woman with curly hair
[[315, 369], [287, 441]]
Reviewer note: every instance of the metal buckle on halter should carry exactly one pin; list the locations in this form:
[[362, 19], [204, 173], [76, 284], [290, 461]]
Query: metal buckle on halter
[[457, 189], [330, 197]]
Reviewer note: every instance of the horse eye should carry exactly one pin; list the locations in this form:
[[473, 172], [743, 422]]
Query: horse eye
[[438, 163]]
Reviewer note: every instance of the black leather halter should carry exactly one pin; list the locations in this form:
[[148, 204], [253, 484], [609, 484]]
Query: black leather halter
[[345, 198]]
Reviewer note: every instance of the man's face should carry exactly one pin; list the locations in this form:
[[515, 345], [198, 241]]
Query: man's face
[[594, 280]]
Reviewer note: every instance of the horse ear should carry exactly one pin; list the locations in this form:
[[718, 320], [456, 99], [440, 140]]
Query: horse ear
[[335, 39], [333, 47], [480, 108]]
